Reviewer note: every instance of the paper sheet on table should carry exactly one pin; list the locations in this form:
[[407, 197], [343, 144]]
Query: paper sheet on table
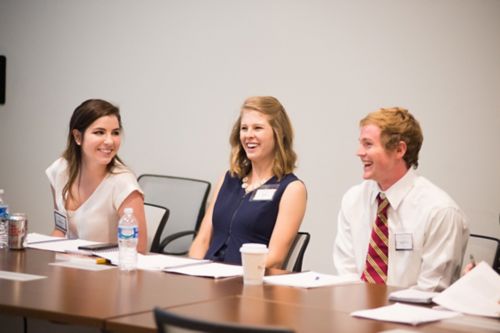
[[412, 296], [16, 276], [60, 244], [153, 262], [405, 314], [476, 293], [311, 279], [34, 237], [81, 264], [211, 269]]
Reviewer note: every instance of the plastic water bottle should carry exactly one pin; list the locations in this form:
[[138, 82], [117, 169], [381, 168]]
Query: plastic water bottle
[[4, 215], [128, 236]]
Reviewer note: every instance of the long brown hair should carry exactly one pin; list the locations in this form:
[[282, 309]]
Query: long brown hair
[[83, 116], [284, 155]]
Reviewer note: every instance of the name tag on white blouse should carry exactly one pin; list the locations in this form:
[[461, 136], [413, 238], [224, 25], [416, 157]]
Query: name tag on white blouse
[[61, 222], [265, 193], [404, 242]]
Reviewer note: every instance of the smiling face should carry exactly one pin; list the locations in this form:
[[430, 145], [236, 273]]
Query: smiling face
[[100, 141], [383, 166], [257, 136]]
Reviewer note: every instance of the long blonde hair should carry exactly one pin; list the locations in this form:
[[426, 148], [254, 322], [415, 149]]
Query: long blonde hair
[[284, 155]]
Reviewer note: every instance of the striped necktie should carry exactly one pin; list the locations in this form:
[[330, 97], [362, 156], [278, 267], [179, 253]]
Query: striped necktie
[[378, 249]]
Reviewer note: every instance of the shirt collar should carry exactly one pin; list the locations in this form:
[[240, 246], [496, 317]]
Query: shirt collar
[[397, 192]]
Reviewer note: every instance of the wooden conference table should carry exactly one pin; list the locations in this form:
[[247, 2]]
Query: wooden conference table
[[114, 301]]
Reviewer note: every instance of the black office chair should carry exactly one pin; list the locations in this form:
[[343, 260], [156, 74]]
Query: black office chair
[[156, 218], [166, 320], [293, 261], [484, 248], [186, 199]]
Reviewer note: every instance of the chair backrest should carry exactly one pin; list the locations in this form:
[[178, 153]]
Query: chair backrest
[[167, 321], [186, 199], [485, 248], [156, 218], [296, 253]]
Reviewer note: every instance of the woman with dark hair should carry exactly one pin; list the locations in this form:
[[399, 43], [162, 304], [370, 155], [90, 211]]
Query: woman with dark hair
[[259, 200], [91, 186]]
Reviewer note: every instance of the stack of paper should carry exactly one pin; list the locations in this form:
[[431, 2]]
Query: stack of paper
[[405, 314], [476, 293], [412, 296], [311, 279]]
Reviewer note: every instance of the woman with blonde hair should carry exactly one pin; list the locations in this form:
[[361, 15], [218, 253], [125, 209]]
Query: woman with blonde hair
[[259, 200]]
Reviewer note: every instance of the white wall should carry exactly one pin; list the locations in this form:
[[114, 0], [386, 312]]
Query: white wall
[[179, 70]]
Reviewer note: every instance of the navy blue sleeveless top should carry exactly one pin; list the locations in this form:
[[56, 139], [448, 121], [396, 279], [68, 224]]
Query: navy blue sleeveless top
[[238, 218]]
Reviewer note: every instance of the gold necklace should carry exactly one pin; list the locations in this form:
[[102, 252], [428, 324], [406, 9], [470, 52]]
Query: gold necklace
[[250, 187]]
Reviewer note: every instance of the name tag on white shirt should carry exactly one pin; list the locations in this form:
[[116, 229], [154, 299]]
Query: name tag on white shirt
[[61, 222], [265, 193], [404, 242]]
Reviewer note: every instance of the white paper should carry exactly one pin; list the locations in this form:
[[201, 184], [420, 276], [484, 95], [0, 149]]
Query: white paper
[[212, 269], [60, 245], [476, 293], [34, 237], [311, 279], [15, 276], [412, 296], [81, 264], [405, 314], [154, 262]]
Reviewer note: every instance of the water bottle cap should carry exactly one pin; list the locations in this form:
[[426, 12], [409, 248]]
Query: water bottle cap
[[128, 210]]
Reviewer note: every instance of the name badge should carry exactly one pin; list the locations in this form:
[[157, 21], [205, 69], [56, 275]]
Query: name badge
[[61, 222], [265, 193], [404, 242]]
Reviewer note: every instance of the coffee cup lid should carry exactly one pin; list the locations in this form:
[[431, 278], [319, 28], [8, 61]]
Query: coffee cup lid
[[254, 248]]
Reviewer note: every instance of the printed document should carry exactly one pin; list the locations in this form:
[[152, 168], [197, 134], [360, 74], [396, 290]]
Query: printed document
[[475, 293]]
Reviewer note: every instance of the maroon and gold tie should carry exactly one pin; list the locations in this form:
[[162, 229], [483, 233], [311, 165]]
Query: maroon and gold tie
[[378, 249]]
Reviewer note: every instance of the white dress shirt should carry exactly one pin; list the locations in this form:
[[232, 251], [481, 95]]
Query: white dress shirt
[[418, 209], [97, 218]]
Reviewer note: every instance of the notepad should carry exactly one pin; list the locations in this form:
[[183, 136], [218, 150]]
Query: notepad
[[412, 296], [311, 279]]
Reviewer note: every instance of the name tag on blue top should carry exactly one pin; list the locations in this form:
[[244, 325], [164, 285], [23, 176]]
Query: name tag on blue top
[[265, 193]]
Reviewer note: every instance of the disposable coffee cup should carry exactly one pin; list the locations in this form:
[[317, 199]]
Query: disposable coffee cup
[[253, 258]]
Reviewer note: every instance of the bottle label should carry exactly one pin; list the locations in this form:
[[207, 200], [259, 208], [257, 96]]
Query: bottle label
[[127, 232], [3, 212]]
